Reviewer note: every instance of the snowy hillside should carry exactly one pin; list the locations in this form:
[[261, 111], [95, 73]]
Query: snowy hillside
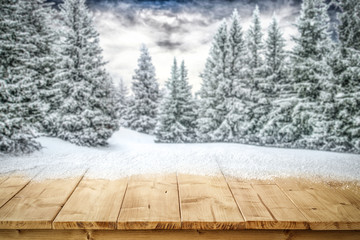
[[130, 153]]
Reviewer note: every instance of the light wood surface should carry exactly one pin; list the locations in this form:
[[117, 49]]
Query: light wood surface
[[253, 210], [3, 178], [324, 207], [10, 186], [206, 202], [95, 204], [281, 207], [151, 202], [171, 202], [36, 205], [178, 235]]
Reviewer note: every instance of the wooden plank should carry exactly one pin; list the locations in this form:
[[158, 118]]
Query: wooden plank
[[324, 235], [353, 186], [351, 196], [247, 181], [95, 204], [324, 207], [35, 206], [11, 186], [43, 235], [151, 202], [207, 203], [177, 235], [3, 178], [252, 208], [280, 206], [226, 235]]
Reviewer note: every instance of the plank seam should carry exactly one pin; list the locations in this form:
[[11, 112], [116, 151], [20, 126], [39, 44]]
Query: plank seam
[[272, 215], [22, 187], [122, 203], [16, 193], [179, 201], [6, 178], [232, 194], [61, 207], [300, 210]]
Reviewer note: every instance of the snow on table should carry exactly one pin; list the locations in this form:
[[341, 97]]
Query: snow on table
[[132, 153]]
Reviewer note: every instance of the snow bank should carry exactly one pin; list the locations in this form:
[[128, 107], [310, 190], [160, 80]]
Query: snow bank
[[131, 153]]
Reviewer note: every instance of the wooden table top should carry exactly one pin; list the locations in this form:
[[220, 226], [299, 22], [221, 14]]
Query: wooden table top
[[176, 201]]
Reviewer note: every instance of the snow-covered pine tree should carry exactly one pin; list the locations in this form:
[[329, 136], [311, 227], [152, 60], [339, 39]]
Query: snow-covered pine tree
[[276, 88], [86, 115], [346, 71], [122, 101], [310, 72], [186, 104], [256, 101], [18, 90], [349, 28], [168, 128], [176, 120], [210, 115], [234, 87], [43, 58], [142, 112]]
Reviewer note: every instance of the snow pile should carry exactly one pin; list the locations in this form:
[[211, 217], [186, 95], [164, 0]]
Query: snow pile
[[131, 153]]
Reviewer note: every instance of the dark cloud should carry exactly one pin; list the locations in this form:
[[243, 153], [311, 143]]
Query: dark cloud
[[174, 27], [170, 45], [132, 13], [147, 13], [178, 26]]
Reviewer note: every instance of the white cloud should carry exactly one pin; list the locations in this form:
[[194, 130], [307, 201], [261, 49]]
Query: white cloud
[[185, 33]]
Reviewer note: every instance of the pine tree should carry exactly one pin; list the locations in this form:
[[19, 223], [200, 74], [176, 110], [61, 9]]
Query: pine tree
[[122, 102], [177, 115], [168, 128], [233, 88], [310, 72], [86, 115], [17, 88], [255, 99], [43, 58], [142, 113], [349, 25], [210, 115], [186, 104], [346, 71], [275, 87]]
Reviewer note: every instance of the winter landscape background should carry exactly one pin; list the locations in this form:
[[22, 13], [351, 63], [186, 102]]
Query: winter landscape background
[[220, 73]]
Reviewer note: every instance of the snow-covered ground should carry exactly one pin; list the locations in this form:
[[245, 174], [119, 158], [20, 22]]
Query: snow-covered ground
[[130, 153]]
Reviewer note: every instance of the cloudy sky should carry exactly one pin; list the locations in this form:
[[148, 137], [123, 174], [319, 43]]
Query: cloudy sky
[[182, 29]]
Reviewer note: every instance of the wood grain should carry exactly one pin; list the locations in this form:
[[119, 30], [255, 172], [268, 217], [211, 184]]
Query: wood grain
[[151, 202], [43, 235], [3, 178], [10, 186], [207, 203], [324, 207], [351, 196], [95, 204], [35, 206], [284, 212], [177, 235], [252, 208]]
